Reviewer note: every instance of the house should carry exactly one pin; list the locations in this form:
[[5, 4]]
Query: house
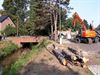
[[4, 21]]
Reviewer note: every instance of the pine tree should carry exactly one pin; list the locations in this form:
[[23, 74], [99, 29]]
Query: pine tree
[[16, 10]]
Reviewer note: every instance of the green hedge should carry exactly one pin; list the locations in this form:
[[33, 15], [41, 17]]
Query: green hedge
[[7, 49]]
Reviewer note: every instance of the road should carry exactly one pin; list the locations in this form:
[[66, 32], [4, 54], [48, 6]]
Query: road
[[95, 47]]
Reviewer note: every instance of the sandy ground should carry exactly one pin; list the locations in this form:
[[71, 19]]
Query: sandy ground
[[47, 64], [93, 51]]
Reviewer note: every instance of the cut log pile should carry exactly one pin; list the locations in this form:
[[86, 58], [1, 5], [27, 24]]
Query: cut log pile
[[72, 56]]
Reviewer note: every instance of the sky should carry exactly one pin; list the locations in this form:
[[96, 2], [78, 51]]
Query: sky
[[1, 1], [87, 9]]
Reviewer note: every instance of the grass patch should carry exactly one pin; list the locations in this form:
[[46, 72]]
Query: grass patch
[[6, 48], [24, 60]]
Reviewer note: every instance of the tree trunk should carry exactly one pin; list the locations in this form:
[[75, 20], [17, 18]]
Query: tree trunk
[[59, 16], [17, 26], [55, 26], [51, 25]]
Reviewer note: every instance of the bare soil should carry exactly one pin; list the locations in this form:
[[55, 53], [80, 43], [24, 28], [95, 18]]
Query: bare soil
[[47, 64]]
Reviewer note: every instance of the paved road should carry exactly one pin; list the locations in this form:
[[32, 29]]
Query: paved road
[[95, 47]]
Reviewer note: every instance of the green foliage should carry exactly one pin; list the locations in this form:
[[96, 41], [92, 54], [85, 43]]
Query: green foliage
[[86, 23], [7, 49], [9, 8], [40, 13], [25, 59], [38, 16], [9, 31], [3, 12], [22, 30], [62, 13], [78, 26], [69, 24], [32, 25], [16, 8], [63, 19], [17, 11], [29, 29]]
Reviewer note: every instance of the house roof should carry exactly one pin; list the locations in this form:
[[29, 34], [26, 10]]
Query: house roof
[[3, 17]]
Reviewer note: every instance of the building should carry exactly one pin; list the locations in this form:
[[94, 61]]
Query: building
[[4, 21]]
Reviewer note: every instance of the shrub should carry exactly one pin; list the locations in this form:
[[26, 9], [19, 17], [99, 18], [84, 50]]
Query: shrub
[[9, 31], [25, 59], [8, 49]]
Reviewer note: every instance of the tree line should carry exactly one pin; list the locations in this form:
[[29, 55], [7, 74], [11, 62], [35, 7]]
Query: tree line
[[69, 24], [38, 17]]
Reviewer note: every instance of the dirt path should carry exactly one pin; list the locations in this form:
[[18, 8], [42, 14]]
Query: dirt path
[[47, 64]]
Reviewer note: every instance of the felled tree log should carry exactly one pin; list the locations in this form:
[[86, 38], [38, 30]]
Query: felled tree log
[[82, 56], [69, 55], [60, 57]]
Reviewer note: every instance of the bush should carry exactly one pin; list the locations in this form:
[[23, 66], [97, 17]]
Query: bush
[[7, 49], [9, 31], [25, 59]]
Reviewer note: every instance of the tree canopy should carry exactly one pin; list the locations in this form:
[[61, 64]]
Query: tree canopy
[[37, 16]]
